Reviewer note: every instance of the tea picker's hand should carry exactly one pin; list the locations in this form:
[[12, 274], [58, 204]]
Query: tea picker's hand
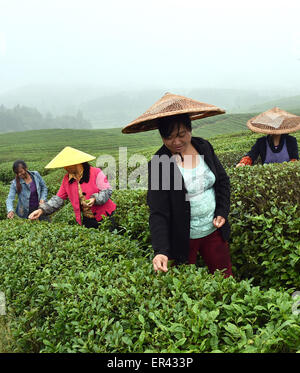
[[35, 214], [219, 221], [91, 202], [11, 215], [160, 263]]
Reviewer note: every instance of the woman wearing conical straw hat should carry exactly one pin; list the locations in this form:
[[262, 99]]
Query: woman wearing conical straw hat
[[188, 189], [86, 187], [277, 146]]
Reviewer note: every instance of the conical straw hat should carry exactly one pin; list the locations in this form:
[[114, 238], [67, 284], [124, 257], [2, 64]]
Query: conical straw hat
[[68, 157], [274, 121], [169, 105]]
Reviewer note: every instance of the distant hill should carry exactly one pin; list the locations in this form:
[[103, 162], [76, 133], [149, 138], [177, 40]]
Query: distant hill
[[22, 118], [109, 107], [118, 109], [56, 99], [291, 104]]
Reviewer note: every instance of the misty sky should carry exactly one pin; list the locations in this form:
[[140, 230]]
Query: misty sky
[[153, 43]]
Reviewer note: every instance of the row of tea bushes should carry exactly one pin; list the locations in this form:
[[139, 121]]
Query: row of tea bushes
[[254, 190], [264, 217], [259, 188], [53, 181], [70, 289], [265, 222], [131, 216], [267, 247]]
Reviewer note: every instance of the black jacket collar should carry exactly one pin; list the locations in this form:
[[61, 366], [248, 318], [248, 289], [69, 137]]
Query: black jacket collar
[[202, 147]]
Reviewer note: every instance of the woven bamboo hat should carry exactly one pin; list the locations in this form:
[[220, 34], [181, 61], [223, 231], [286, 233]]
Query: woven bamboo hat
[[68, 157], [169, 105], [274, 121]]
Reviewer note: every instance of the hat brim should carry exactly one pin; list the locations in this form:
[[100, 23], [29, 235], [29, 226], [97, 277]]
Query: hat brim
[[289, 125], [152, 121], [66, 164]]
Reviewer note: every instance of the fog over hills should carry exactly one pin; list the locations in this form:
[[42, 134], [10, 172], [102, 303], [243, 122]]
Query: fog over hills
[[109, 107], [291, 104]]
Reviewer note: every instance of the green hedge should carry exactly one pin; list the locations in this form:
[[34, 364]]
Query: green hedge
[[132, 215], [53, 181], [65, 215], [264, 217], [257, 189], [4, 190], [70, 289], [265, 222]]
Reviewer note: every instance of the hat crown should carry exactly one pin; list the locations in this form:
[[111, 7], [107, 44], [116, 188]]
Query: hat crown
[[274, 121]]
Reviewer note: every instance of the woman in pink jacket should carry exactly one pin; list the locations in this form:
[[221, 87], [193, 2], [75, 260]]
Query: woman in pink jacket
[[85, 186]]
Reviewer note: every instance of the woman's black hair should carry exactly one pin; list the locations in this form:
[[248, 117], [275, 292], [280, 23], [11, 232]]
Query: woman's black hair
[[86, 174], [15, 168], [166, 125], [18, 163]]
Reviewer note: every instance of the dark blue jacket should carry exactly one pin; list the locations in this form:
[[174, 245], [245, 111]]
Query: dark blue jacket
[[260, 148]]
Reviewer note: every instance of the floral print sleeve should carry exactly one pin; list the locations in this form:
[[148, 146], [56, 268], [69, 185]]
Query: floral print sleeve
[[246, 161]]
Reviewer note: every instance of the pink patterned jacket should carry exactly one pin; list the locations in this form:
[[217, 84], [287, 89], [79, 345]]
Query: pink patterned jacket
[[97, 182]]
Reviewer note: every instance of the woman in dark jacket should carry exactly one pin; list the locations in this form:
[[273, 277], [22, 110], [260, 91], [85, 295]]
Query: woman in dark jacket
[[277, 146], [188, 189], [272, 149], [194, 217]]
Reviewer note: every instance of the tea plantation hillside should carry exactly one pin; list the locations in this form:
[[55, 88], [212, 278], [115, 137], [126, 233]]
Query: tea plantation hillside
[[45, 144], [72, 289]]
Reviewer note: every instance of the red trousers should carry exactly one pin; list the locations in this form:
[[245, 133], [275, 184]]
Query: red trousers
[[214, 251]]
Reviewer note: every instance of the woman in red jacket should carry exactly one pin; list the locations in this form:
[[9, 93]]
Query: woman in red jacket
[[85, 186]]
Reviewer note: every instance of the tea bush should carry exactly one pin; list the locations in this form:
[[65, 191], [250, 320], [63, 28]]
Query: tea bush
[[65, 215], [53, 181], [265, 222], [70, 289], [267, 247], [6, 172], [132, 215], [4, 190], [257, 189], [229, 159]]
